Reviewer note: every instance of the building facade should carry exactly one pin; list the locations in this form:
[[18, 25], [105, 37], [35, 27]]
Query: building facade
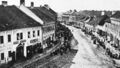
[[23, 30], [49, 18]]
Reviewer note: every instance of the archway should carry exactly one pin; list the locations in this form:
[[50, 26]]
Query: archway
[[20, 52]]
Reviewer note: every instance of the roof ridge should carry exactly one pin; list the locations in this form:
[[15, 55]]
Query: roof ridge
[[30, 13]]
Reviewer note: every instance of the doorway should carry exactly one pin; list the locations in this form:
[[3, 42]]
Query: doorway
[[20, 52]]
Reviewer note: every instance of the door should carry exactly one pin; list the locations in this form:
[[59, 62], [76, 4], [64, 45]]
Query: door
[[29, 51], [20, 52]]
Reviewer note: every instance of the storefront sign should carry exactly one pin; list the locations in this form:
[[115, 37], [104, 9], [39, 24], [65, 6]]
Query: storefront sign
[[17, 42], [34, 41], [22, 41]]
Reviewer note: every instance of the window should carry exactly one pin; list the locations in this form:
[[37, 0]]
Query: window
[[9, 38], [38, 33], [33, 33], [1, 40], [2, 56], [19, 36], [9, 53], [28, 34]]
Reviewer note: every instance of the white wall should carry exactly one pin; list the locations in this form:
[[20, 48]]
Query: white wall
[[4, 48]]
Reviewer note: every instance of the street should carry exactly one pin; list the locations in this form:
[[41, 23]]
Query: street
[[88, 55], [59, 34]]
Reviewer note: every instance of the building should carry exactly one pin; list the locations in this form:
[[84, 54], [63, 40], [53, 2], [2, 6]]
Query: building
[[23, 30], [49, 18], [113, 27]]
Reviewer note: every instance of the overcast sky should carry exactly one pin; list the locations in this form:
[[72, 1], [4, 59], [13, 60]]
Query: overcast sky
[[64, 5]]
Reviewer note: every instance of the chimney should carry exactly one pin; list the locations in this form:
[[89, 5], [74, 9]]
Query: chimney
[[32, 4], [4, 3], [22, 2], [46, 6]]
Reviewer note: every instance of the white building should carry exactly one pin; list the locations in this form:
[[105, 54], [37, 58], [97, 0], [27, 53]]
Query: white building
[[49, 18], [21, 32]]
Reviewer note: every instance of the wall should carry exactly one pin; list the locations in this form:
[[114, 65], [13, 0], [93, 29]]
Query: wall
[[4, 48]]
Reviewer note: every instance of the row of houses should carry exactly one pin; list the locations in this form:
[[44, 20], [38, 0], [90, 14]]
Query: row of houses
[[106, 29], [72, 17], [105, 26], [25, 30]]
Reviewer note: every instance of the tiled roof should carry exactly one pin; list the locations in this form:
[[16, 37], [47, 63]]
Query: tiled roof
[[104, 18], [12, 18], [30, 13], [94, 21], [98, 20], [53, 12], [45, 14]]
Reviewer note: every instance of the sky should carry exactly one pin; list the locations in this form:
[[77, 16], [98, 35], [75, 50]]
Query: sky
[[65, 5]]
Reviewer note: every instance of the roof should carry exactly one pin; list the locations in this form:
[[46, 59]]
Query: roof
[[47, 15], [98, 20], [92, 13], [12, 18], [94, 21], [116, 15], [115, 19], [104, 18], [30, 13], [80, 17], [53, 12]]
